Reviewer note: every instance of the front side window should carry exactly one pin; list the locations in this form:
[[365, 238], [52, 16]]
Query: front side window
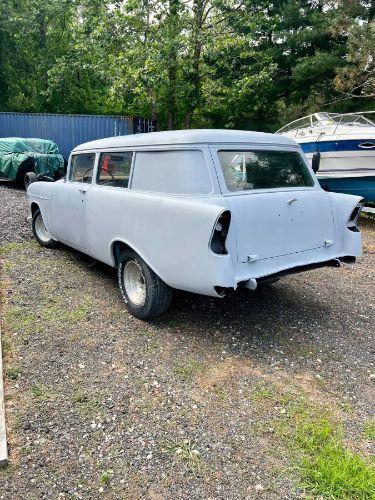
[[114, 169], [173, 172], [249, 170], [81, 168]]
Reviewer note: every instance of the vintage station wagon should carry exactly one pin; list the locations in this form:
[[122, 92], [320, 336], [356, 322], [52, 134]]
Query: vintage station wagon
[[200, 210]]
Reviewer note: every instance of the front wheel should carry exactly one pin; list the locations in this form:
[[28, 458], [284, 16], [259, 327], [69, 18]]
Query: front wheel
[[145, 294], [40, 231], [30, 177]]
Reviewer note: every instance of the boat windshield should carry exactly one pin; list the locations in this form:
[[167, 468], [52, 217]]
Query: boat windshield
[[328, 120], [352, 119]]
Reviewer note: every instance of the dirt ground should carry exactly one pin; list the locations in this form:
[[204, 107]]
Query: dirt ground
[[100, 404]]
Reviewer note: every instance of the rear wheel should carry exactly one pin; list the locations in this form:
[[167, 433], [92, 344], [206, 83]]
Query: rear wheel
[[40, 231], [145, 294]]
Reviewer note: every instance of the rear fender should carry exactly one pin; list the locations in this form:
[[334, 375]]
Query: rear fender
[[348, 242], [172, 235]]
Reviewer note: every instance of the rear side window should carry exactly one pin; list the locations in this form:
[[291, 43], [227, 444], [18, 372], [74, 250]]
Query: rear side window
[[81, 168], [249, 170], [177, 172], [114, 169]]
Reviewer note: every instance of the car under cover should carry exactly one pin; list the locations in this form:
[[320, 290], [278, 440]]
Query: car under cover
[[43, 153]]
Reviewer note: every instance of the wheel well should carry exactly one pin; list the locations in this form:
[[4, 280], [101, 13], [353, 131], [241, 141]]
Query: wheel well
[[117, 248], [26, 166], [34, 208]]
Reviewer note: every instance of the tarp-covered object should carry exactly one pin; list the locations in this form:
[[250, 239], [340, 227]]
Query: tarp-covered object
[[44, 155]]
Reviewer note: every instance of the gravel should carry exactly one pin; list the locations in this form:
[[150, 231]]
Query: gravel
[[13, 213], [99, 403]]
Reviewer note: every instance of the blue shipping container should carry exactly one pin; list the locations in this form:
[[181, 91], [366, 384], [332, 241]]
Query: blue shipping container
[[67, 131]]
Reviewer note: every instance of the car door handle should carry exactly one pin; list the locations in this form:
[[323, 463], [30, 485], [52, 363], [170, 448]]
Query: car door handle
[[292, 200], [83, 191]]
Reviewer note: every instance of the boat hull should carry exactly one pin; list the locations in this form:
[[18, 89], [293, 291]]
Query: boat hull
[[358, 186], [338, 164], [350, 172], [346, 147]]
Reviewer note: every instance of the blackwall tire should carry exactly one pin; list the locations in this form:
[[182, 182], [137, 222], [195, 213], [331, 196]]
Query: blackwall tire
[[24, 168], [145, 294], [30, 177], [40, 232]]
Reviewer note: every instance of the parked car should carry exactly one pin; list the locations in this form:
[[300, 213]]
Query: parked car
[[200, 210], [23, 159]]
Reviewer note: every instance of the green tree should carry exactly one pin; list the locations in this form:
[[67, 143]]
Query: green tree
[[250, 64]]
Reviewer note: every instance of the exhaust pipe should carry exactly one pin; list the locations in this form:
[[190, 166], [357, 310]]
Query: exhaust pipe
[[251, 284]]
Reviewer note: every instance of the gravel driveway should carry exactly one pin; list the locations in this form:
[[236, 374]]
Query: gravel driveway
[[100, 404]]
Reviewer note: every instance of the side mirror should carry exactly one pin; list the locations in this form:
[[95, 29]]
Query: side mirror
[[315, 163]]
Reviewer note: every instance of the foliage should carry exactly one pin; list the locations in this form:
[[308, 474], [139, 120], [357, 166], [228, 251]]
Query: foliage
[[369, 429], [328, 468], [248, 64]]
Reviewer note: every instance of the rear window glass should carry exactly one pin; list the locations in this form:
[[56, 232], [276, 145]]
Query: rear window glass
[[249, 170], [176, 172]]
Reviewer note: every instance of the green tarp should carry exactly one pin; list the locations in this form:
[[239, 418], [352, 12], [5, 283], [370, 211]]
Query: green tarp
[[42, 153]]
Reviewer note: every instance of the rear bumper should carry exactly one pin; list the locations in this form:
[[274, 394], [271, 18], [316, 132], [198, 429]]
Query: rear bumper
[[251, 282], [308, 267]]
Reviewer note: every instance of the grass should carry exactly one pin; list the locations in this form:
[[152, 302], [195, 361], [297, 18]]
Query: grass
[[369, 429], [42, 394], [37, 391], [261, 391], [220, 392], [58, 314], [105, 478], [6, 345], [13, 373], [187, 452], [26, 320], [7, 266], [188, 368], [86, 407], [10, 247], [80, 397], [328, 468], [19, 318]]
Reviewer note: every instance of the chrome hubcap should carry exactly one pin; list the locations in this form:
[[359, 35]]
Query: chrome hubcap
[[41, 230], [134, 283]]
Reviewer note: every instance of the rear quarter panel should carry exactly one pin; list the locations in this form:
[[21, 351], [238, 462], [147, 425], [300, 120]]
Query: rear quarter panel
[[171, 234], [347, 242]]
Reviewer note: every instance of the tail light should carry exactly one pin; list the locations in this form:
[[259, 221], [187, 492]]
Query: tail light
[[220, 233], [354, 216]]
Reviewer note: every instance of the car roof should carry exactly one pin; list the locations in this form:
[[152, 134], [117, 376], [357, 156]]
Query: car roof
[[197, 136]]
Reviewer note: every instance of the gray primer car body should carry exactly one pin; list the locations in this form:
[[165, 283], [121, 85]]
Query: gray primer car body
[[168, 215]]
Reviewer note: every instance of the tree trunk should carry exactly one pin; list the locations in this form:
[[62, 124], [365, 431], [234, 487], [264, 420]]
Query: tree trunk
[[188, 119], [173, 21], [194, 94]]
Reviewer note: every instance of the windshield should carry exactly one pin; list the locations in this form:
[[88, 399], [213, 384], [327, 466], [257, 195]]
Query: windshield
[[250, 170]]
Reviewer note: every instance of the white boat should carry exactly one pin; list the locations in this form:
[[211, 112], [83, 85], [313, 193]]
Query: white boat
[[342, 146]]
